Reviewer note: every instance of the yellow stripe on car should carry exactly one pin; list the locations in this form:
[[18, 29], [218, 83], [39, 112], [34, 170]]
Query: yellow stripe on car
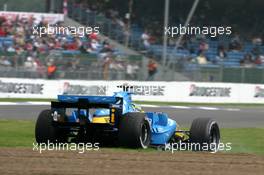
[[112, 118], [105, 119]]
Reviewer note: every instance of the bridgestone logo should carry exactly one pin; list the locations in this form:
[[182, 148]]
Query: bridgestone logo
[[21, 88], [209, 91], [259, 92]]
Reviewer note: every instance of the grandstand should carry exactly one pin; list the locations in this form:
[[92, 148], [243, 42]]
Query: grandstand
[[235, 58], [28, 55]]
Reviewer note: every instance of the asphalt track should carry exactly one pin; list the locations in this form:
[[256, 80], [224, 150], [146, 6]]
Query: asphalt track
[[226, 117]]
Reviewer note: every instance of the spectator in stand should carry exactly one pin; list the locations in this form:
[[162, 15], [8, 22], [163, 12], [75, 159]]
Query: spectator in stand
[[85, 47], [5, 62], [256, 51], [93, 36], [247, 61], [221, 54], [261, 58], [116, 65], [2, 32], [258, 60], [145, 38], [106, 47], [235, 43], [41, 69], [131, 71], [107, 50], [94, 46], [257, 41], [203, 47], [30, 64], [72, 46], [51, 70], [152, 69], [28, 46], [201, 59]]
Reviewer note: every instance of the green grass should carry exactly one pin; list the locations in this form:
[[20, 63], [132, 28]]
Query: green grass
[[16, 133], [246, 140], [146, 102], [20, 133]]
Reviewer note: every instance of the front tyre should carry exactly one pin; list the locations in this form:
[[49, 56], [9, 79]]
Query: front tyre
[[134, 131], [204, 134]]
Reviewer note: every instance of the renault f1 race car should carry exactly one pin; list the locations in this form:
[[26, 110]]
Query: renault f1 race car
[[116, 120]]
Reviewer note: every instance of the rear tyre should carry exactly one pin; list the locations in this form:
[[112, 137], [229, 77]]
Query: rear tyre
[[204, 134], [45, 131], [134, 131]]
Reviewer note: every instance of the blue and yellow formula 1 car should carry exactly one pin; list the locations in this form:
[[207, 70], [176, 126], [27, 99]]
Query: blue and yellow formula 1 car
[[116, 120]]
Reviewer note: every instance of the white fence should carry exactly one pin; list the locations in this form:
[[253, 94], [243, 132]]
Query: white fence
[[145, 91]]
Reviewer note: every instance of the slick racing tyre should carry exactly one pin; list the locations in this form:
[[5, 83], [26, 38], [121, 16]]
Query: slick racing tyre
[[45, 131], [204, 135], [134, 131]]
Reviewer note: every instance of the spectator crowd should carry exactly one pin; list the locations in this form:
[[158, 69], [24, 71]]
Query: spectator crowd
[[199, 48], [22, 49]]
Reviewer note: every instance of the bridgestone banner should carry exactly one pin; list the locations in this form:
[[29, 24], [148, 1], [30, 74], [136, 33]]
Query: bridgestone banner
[[144, 91]]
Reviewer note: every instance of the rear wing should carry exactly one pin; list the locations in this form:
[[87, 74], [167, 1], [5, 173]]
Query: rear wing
[[85, 102], [114, 104]]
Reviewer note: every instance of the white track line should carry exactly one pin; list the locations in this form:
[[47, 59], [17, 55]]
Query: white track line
[[7, 103], [39, 103], [208, 108], [231, 109], [180, 107], [36, 103], [150, 106], [23, 103]]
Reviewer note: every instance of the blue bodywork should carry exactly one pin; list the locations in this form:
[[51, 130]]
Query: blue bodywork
[[162, 127]]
